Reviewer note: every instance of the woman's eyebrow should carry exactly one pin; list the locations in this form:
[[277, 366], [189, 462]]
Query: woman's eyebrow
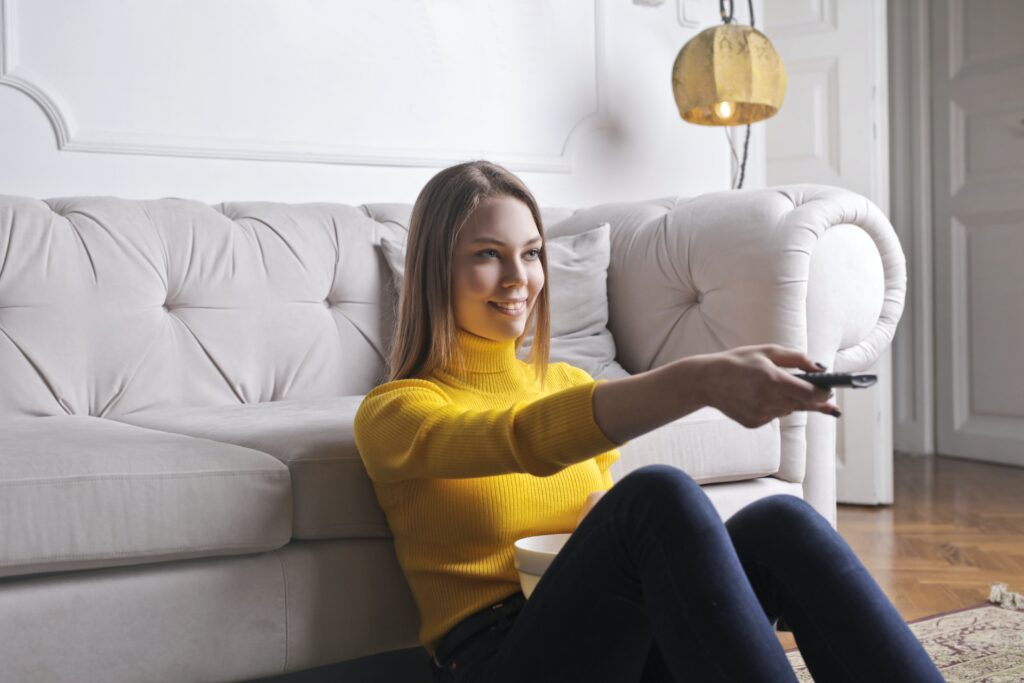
[[494, 240]]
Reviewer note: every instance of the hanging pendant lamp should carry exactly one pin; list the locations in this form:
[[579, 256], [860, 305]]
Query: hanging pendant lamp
[[729, 75]]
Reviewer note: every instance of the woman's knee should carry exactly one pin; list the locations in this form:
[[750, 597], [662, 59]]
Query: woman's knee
[[786, 530], [659, 479], [664, 502], [786, 508], [788, 516], [663, 486]]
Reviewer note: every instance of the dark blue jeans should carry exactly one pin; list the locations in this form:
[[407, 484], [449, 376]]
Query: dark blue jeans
[[653, 587]]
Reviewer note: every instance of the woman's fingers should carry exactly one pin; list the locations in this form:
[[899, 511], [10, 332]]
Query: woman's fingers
[[802, 390], [753, 386], [829, 409], [802, 395], [791, 358], [826, 406]]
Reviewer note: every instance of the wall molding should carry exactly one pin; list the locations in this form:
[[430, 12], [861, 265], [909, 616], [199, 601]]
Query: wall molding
[[22, 78], [72, 138]]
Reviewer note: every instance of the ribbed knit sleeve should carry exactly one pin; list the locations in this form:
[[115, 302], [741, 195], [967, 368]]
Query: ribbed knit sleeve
[[410, 429], [604, 460]]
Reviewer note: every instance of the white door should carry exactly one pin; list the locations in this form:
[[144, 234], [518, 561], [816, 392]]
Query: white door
[[833, 129], [978, 209]]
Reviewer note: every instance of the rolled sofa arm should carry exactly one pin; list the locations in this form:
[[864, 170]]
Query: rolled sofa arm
[[812, 267]]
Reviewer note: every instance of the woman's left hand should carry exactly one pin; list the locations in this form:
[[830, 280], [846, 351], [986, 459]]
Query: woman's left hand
[[588, 504]]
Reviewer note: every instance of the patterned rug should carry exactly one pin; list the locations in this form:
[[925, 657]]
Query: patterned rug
[[981, 644]]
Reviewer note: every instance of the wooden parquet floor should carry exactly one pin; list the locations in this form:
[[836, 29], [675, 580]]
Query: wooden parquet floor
[[956, 527]]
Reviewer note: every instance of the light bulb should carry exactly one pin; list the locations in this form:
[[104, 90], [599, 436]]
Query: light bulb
[[723, 109]]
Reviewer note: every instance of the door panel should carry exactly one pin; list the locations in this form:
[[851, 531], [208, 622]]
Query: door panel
[[978, 189]]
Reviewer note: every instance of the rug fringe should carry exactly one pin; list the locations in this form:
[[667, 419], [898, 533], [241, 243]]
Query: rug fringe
[[1000, 595]]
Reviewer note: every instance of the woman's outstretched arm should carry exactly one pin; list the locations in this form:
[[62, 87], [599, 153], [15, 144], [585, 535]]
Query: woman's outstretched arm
[[411, 429], [747, 383]]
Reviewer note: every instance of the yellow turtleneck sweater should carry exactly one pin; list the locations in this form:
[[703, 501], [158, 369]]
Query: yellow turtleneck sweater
[[467, 461]]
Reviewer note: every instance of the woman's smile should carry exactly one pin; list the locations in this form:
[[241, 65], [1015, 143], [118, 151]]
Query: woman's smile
[[510, 308]]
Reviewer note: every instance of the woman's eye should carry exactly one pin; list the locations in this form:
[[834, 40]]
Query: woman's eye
[[487, 253]]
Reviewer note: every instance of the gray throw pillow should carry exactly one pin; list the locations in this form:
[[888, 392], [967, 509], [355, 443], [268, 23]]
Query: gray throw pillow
[[578, 281]]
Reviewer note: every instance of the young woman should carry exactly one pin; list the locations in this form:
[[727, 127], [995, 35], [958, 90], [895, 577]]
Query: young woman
[[470, 449]]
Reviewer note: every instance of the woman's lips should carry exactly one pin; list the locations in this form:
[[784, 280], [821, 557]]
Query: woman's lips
[[517, 310]]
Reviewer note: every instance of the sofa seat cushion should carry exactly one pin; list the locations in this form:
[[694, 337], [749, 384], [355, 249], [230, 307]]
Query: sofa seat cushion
[[85, 492], [708, 446], [333, 495]]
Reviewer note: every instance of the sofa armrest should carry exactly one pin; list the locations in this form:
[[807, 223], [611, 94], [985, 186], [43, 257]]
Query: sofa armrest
[[811, 267], [734, 268]]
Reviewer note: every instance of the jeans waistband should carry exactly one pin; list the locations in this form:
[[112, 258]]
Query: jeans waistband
[[463, 632]]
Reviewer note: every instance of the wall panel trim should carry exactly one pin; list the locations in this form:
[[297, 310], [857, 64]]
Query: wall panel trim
[[71, 137]]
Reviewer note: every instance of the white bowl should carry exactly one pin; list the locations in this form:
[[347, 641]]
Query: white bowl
[[533, 554]]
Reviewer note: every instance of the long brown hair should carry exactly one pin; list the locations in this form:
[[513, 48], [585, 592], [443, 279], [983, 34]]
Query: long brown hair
[[425, 332]]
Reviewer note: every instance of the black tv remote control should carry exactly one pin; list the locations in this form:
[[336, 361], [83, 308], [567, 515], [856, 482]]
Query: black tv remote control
[[856, 380]]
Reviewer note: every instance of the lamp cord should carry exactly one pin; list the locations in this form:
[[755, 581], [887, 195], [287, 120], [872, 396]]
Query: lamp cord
[[743, 164], [732, 154], [727, 19]]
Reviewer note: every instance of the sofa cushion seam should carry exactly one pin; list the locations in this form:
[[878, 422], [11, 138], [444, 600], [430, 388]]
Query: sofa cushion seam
[[138, 553], [91, 478]]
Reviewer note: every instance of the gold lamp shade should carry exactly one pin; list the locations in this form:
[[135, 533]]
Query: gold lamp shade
[[728, 75]]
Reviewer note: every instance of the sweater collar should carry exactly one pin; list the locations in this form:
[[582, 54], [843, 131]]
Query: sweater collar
[[484, 356]]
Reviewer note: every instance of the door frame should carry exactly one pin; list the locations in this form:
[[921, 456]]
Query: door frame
[[864, 440], [911, 215], [864, 436]]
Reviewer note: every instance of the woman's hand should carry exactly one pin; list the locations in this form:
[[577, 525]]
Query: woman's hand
[[749, 385], [589, 504]]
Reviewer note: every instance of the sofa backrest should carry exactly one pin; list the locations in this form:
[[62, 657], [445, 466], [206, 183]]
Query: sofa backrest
[[109, 306]]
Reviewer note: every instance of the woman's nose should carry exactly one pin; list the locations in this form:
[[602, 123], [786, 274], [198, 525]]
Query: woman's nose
[[515, 274]]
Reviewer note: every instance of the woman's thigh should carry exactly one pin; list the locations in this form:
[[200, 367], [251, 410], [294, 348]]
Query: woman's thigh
[[588, 618], [585, 620]]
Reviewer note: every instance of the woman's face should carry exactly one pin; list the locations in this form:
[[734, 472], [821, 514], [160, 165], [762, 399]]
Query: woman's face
[[497, 272]]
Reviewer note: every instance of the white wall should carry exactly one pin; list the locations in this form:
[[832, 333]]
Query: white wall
[[308, 100]]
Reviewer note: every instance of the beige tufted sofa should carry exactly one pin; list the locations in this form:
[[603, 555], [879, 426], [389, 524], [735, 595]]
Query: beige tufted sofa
[[180, 495]]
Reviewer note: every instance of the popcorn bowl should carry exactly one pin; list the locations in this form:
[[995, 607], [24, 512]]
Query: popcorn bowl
[[533, 554]]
